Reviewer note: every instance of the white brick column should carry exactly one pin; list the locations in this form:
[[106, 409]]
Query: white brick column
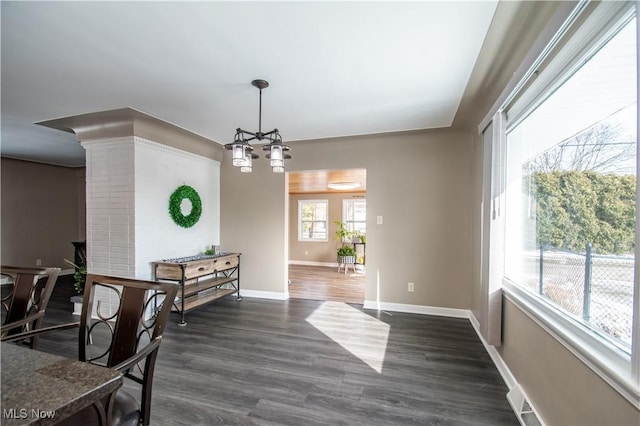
[[110, 180], [129, 181], [134, 162]]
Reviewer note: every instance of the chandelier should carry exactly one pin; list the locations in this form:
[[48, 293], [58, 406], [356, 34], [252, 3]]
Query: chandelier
[[242, 154]]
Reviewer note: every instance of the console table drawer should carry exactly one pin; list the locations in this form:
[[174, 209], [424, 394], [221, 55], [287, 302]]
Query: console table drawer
[[225, 262], [199, 268]]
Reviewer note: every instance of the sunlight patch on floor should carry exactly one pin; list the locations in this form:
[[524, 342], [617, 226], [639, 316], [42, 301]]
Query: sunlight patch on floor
[[363, 336]]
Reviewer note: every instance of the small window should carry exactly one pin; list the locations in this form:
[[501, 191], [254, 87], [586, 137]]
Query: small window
[[312, 220], [354, 215]]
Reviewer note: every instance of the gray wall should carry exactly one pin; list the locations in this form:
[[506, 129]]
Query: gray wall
[[42, 212], [476, 208], [420, 183], [254, 222], [562, 388]]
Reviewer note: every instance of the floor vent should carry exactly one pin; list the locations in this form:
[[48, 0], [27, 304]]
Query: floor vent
[[526, 414]]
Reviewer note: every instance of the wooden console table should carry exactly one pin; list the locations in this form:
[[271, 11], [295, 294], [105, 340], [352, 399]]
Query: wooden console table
[[201, 279]]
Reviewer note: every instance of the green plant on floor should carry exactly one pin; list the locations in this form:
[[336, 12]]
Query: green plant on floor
[[79, 276], [343, 238], [346, 251]]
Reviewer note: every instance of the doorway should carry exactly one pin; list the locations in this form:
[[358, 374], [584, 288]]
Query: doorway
[[319, 201]]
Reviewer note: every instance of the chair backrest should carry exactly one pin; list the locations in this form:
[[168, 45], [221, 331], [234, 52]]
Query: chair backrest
[[121, 326], [24, 298]]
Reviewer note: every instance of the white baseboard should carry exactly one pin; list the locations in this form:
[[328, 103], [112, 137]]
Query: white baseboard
[[416, 309], [308, 263], [274, 295], [504, 371], [518, 400]]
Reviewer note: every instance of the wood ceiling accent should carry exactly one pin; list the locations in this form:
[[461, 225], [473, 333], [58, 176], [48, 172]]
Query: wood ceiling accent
[[316, 181]]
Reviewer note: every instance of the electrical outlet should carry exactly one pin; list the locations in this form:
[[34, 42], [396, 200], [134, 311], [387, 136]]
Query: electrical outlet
[[306, 252], [410, 287], [379, 220], [38, 262]]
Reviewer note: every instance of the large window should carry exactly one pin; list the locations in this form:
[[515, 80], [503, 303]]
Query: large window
[[570, 190], [312, 220]]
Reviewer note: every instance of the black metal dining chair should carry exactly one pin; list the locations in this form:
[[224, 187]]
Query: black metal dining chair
[[25, 294], [121, 327]]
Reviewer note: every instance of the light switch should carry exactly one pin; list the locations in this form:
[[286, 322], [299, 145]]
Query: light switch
[[379, 220]]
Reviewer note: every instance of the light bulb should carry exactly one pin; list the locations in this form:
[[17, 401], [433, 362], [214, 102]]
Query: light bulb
[[238, 156], [246, 166], [276, 155]]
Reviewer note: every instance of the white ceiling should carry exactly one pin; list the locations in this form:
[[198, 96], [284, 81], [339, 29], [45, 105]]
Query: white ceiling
[[334, 68]]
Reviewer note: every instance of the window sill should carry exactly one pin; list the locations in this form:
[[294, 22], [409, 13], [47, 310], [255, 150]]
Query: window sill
[[601, 356]]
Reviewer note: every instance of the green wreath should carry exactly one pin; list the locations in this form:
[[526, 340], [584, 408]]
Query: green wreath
[[175, 201]]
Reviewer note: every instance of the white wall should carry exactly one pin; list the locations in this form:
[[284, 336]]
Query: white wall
[[129, 181], [159, 171]]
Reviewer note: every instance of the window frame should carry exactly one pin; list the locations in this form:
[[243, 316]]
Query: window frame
[[619, 369], [301, 221]]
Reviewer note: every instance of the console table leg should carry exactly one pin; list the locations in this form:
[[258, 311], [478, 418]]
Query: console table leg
[[238, 298]]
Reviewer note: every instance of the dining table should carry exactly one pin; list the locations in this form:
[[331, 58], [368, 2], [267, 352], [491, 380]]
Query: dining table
[[40, 388]]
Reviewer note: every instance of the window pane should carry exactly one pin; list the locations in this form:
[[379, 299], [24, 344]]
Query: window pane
[[355, 215], [571, 193], [313, 220]]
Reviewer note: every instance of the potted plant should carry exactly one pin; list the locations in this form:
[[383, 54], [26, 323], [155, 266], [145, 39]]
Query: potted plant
[[346, 255], [79, 278]]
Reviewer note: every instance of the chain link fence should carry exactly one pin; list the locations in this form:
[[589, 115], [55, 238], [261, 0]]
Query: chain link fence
[[596, 288]]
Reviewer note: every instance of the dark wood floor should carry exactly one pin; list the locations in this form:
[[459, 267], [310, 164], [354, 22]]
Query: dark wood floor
[[305, 362], [324, 283]]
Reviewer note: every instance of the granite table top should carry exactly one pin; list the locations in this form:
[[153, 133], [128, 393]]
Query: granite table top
[[39, 388]]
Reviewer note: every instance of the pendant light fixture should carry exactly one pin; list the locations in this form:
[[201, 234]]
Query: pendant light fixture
[[242, 154]]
